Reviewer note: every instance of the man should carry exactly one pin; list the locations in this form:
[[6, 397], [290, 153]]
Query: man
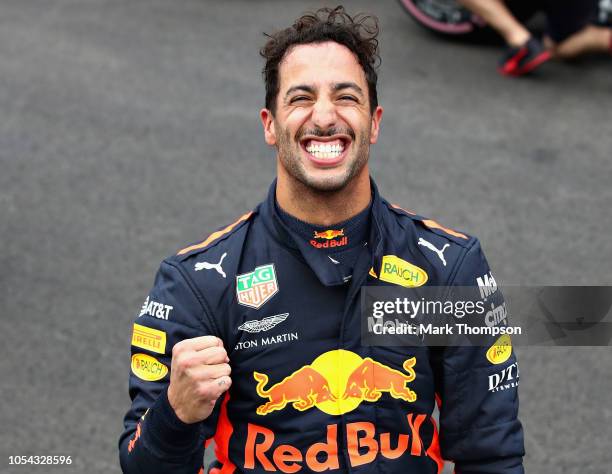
[[252, 336]]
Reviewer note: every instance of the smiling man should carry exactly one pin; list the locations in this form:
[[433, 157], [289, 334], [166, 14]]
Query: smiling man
[[322, 115], [253, 336]]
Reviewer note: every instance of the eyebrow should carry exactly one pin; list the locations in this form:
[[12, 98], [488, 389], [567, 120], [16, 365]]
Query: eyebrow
[[347, 85], [336, 87], [299, 87]]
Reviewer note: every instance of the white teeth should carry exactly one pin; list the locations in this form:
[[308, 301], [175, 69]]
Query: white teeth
[[325, 150]]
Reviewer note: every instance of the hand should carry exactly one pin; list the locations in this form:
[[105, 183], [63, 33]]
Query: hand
[[199, 376]]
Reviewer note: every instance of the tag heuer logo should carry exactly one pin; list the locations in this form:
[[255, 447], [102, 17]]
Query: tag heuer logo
[[253, 289]]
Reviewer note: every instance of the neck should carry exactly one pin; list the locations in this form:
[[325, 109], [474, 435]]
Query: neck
[[323, 208]]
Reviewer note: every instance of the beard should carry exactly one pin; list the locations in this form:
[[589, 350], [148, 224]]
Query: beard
[[291, 158]]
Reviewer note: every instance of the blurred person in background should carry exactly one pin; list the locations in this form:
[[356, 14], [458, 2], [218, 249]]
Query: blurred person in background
[[571, 31]]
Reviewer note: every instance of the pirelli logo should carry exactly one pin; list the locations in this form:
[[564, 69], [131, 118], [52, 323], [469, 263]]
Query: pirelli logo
[[149, 338]]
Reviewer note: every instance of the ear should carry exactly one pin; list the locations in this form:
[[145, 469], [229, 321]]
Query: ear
[[375, 128], [267, 120]]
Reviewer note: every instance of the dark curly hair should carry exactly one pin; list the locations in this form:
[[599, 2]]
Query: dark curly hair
[[358, 33]]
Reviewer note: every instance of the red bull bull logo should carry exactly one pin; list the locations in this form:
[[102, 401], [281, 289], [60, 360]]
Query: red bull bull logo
[[304, 388], [371, 378], [329, 234], [336, 382], [332, 238]]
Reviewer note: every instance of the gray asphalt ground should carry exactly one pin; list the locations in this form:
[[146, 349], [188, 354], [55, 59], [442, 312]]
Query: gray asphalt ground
[[130, 128]]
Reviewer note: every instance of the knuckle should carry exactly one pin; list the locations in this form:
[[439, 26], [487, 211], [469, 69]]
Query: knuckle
[[214, 352], [188, 373], [209, 341], [203, 391], [176, 349], [181, 363]]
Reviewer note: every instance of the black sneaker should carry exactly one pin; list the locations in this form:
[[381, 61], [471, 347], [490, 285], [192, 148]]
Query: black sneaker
[[524, 59]]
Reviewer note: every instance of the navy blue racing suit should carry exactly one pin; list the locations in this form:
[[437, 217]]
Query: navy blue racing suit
[[306, 394]]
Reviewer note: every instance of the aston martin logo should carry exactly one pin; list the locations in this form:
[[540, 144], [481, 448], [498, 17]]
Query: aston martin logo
[[264, 324]]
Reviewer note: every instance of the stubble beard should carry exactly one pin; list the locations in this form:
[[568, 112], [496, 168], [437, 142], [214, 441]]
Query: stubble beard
[[292, 162]]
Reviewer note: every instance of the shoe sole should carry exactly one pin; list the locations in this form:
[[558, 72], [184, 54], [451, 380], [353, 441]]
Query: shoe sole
[[534, 63], [511, 64], [510, 68]]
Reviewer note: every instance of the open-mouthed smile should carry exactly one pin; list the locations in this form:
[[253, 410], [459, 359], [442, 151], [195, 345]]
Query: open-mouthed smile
[[326, 151]]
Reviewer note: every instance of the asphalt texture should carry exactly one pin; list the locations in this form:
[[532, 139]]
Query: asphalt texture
[[130, 128]]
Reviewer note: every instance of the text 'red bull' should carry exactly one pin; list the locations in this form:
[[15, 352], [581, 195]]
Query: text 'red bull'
[[364, 444], [330, 238]]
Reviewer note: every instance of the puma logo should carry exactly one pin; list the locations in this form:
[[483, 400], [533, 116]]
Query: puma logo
[[430, 246], [210, 266]]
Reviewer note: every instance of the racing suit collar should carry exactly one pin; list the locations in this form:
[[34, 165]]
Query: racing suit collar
[[328, 273]]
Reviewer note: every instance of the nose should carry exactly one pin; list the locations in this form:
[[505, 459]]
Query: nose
[[324, 114]]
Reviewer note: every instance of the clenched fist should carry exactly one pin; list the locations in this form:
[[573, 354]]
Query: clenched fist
[[199, 376]]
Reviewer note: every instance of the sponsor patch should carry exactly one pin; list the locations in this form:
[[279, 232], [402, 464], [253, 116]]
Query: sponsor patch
[[500, 351], [496, 315], [487, 285], [331, 239], [253, 289], [336, 382], [212, 266], [149, 338], [400, 272], [155, 309], [505, 379], [329, 234], [433, 248], [264, 324], [148, 368], [267, 451]]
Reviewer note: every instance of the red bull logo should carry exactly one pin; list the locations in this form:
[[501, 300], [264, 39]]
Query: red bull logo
[[364, 445], [384, 379], [329, 234], [304, 388], [332, 238], [336, 382]]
